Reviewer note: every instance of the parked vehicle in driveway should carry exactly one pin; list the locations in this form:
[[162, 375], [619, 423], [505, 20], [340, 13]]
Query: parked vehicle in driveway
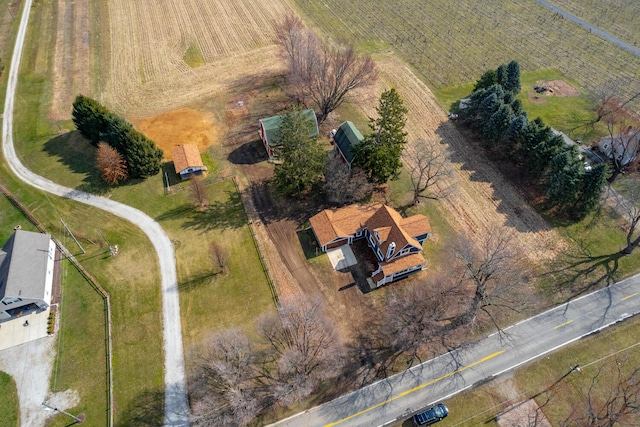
[[431, 415]]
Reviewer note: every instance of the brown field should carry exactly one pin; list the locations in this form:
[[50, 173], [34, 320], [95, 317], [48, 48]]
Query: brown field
[[146, 72], [480, 200], [71, 64], [184, 126]]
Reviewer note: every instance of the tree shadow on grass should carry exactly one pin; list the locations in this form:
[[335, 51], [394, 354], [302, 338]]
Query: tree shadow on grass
[[146, 410], [577, 274], [198, 281], [75, 152], [220, 214]]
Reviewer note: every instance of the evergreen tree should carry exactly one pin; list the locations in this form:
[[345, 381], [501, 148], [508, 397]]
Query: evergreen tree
[[593, 182], [545, 151], [501, 76], [378, 155], [143, 155], [489, 105], [117, 133], [513, 78], [516, 131], [90, 118], [303, 159], [495, 128], [516, 107], [488, 79], [566, 172]]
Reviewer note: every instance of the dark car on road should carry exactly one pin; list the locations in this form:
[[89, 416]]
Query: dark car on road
[[431, 415]]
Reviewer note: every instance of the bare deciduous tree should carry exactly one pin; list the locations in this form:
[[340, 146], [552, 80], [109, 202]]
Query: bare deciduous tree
[[304, 350], [427, 167], [414, 317], [224, 390], [318, 70], [613, 397], [219, 256], [492, 271], [198, 192], [343, 185], [111, 164], [628, 208]]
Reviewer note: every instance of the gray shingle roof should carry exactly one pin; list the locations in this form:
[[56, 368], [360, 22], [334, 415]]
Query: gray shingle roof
[[23, 265]]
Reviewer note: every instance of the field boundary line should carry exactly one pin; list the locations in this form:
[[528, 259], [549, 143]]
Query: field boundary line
[[106, 300]]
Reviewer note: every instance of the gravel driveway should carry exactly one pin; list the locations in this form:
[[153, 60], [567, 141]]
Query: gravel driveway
[[176, 403]]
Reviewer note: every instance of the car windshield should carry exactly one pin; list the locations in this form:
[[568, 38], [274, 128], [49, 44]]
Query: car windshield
[[438, 411]]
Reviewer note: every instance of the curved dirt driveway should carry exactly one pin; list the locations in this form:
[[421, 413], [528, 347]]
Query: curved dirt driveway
[[176, 403]]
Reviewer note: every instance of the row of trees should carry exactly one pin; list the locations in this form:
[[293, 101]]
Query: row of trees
[[122, 151], [377, 157], [497, 116]]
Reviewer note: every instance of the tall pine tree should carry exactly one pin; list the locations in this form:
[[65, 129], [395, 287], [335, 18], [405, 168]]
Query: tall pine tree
[[378, 155], [90, 118], [303, 159]]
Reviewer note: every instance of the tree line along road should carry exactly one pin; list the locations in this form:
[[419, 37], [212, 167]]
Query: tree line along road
[[398, 397]]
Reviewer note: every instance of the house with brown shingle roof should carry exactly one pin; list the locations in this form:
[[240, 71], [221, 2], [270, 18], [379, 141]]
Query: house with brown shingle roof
[[187, 160], [396, 241]]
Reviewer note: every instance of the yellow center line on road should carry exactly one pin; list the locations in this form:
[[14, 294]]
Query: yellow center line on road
[[421, 386], [629, 296], [562, 324]]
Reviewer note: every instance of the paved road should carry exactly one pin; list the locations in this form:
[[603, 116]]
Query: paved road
[[591, 28], [176, 403], [397, 397]]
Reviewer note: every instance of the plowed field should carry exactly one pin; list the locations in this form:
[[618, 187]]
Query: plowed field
[[479, 198], [148, 42]]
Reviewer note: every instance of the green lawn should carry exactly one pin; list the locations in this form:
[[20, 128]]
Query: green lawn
[[9, 407], [81, 359]]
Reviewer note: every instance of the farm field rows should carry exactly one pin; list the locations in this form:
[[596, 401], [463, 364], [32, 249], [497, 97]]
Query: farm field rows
[[479, 198], [146, 59], [450, 45], [617, 17]]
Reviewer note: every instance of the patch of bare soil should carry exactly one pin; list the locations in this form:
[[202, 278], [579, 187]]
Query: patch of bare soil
[[558, 88], [183, 126], [71, 64]]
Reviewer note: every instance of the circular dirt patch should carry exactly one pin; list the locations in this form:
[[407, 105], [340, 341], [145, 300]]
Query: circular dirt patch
[[184, 126], [558, 88]]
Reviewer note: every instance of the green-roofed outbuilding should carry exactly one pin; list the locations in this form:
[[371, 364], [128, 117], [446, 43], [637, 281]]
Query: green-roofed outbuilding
[[345, 138], [270, 126]]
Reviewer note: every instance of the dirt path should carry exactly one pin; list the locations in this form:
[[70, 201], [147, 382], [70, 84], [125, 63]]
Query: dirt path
[[480, 200], [277, 231]]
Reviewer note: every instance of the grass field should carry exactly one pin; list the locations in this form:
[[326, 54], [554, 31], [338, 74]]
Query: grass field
[[81, 348], [452, 45], [8, 25], [9, 401]]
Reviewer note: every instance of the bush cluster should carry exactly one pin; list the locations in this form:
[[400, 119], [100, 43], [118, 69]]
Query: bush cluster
[[96, 123]]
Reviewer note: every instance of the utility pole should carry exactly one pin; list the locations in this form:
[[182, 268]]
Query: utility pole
[[76, 419]]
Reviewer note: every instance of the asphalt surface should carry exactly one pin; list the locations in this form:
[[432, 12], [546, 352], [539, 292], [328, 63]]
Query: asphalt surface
[[398, 397], [591, 28], [176, 402]]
